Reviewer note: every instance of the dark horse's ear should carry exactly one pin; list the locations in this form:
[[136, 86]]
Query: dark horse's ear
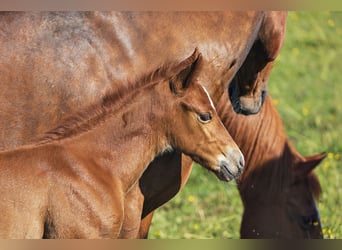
[[185, 73], [303, 168]]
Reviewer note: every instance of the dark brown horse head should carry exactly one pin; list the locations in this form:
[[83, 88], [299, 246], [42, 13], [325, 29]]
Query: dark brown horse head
[[195, 127], [277, 186], [292, 214], [301, 197], [247, 90]]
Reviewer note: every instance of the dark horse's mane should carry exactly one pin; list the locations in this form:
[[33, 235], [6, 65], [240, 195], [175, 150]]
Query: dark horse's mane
[[268, 152], [86, 118]]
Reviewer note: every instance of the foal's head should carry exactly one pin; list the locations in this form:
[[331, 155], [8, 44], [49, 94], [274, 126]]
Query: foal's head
[[194, 126]]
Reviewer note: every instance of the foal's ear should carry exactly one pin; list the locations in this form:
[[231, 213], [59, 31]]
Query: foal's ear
[[185, 73], [303, 168]]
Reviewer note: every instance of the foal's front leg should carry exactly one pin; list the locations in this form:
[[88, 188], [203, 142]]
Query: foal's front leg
[[132, 213]]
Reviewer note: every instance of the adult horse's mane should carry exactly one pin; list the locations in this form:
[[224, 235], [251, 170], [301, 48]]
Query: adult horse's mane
[[85, 119], [268, 152]]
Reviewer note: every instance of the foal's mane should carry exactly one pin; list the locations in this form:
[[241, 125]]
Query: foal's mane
[[268, 152], [88, 117]]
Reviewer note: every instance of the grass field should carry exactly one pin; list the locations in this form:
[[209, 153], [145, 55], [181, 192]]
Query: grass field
[[306, 85]]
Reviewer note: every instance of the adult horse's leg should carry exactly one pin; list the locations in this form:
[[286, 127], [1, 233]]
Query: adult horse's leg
[[145, 226], [247, 90]]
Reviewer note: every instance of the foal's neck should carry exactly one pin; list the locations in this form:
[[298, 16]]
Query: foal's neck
[[131, 137]]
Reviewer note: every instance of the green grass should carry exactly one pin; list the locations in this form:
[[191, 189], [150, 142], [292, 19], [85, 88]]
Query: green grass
[[306, 85]]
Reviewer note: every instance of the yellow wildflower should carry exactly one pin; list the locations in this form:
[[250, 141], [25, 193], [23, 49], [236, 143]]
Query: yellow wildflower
[[295, 51], [157, 233], [294, 16], [195, 226], [326, 165], [330, 156], [331, 23], [275, 102], [191, 198], [305, 111], [337, 157]]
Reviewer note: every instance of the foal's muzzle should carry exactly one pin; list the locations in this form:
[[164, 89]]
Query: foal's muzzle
[[230, 165]]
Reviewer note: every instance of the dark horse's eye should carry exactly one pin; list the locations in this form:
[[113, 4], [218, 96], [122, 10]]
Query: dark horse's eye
[[307, 220], [205, 117], [310, 221]]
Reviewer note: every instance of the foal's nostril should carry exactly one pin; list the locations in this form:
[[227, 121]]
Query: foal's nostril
[[263, 96], [231, 88], [241, 162]]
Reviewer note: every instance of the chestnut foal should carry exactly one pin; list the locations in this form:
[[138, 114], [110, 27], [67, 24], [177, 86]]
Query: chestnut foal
[[73, 182]]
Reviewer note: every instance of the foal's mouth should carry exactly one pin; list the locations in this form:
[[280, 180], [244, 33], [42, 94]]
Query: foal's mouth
[[226, 166], [226, 174], [228, 170]]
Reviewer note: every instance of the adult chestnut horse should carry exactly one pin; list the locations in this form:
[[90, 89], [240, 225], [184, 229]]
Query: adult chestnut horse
[[54, 63], [73, 182]]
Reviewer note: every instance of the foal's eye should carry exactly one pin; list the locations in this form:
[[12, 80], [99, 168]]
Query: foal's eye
[[205, 117]]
